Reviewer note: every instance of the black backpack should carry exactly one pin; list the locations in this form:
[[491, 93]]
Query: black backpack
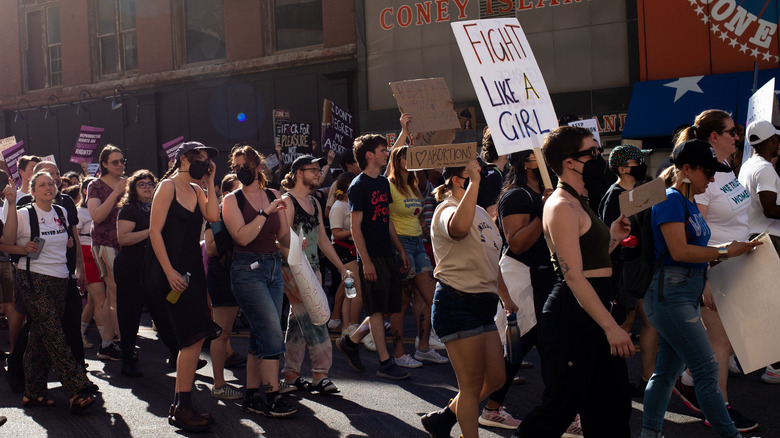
[[35, 231], [222, 239], [639, 262]]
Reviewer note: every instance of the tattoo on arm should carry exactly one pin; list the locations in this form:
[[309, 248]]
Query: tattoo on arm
[[564, 266], [613, 243]]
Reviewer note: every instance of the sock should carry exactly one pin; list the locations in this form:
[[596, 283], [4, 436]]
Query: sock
[[175, 398], [728, 405], [100, 330], [105, 344], [84, 326], [687, 379], [349, 342], [486, 408], [250, 392], [185, 399], [385, 362], [270, 396]]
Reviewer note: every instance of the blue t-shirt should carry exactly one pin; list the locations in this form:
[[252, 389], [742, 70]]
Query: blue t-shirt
[[673, 210], [372, 197]]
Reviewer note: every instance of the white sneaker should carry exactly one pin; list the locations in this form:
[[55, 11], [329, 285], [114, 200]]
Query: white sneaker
[[368, 342], [499, 418], [334, 325], [407, 361], [347, 331], [733, 365], [430, 355], [226, 392], [433, 342], [771, 375], [85, 342]]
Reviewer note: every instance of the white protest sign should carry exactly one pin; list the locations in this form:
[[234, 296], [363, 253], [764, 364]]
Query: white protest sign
[[591, 125], [508, 82], [760, 107], [271, 161], [310, 288], [7, 143], [745, 292], [49, 158], [92, 169]]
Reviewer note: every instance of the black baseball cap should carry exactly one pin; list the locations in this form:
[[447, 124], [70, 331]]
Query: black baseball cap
[[190, 145], [305, 160], [697, 153]]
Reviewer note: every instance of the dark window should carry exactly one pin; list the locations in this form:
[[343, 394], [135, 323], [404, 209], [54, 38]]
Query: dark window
[[204, 30], [116, 37], [42, 50], [298, 23]]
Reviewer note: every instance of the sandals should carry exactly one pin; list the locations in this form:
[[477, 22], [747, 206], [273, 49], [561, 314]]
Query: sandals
[[301, 385], [80, 403], [38, 402], [325, 386]]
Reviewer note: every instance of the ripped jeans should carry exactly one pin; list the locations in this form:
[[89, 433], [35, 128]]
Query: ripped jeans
[[682, 341]]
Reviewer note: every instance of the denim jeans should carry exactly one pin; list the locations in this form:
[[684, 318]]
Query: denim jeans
[[682, 341], [259, 292]]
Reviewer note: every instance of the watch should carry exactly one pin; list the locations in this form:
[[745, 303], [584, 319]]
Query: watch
[[723, 253], [262, 213]]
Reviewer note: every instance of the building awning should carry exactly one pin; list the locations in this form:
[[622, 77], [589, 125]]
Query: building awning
[[657, 108]]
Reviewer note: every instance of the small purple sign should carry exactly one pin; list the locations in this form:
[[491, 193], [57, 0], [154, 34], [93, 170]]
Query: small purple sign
[[171, 146], [88, 140], [11, 157]]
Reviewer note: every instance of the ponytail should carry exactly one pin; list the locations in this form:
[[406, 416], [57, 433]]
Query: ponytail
[[443, 191]]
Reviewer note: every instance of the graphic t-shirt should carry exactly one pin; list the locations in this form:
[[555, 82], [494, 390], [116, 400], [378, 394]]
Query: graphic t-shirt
[[372, 197], [103, 233], [758, 175], [673, 210], [727, 202], [55, 235], [405, 212]]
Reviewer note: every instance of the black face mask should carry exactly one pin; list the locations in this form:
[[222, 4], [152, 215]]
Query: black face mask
[[592, 173], [199, 169], [246, 175], [466, 183], [638, 172]]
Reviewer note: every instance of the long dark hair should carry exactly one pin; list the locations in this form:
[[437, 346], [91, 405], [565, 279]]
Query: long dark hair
[[190, 155], [108, 150], [83, 189], [131, 196], [394, 173]]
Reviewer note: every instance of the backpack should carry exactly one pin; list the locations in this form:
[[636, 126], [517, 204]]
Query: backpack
[[35, 231], [639, 262], [222, 238]]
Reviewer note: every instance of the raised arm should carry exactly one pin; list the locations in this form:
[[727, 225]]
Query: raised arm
[[460, 222], [208, 202], [100, 210]]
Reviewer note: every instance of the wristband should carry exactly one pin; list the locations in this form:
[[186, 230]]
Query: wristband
[[262, 213]]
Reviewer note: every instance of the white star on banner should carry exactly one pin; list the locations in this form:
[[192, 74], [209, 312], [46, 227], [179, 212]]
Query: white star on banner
[[699, 11], [684, 85], [754, 53], [692, 2], [715, 29], [743, 48], [766, 56], [733, 42], [777, 59], [723, 35]]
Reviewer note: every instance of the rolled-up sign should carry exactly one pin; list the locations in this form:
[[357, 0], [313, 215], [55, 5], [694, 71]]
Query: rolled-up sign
[[310, 288]]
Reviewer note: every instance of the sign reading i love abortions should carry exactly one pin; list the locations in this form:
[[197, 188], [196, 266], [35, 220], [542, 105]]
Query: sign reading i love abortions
[[508, 82]]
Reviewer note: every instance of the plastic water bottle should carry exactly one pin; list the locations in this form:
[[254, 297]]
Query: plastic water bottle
[[173, 295], [513, 348], [349, 285]]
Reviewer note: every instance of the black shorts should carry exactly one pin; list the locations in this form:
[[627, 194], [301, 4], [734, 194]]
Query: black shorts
[[383, 295], [345, 254], [218, 285]]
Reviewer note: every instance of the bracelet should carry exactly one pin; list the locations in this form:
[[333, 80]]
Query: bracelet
[[262, 213]]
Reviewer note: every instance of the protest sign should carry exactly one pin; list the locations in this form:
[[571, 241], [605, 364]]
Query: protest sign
[[11, 156], [761, 106], [337, 128], [466, 133], [271, 161], [642, 197], [591, 125], [309, 287], [293, 134], [7, 143], [93, 168], [745, 293], [50, 159], [171, 146], [445, 155], [508, 82], [88, 140], [279, 115], [428, 102]]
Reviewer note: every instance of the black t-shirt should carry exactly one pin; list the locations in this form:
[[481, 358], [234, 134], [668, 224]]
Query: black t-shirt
[[609, 207], [372, 197], [522, 200], [490, 187], [132, 213]]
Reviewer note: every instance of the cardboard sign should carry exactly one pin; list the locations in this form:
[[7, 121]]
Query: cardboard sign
[[745, 292], [279, 115], [642, 197], [337, 128], [171, 146], [5, 144], [88, 140], [508, 82], [591, 125], [445, 155], [761, 106], [429, 103], [309, 287], [11, 156]]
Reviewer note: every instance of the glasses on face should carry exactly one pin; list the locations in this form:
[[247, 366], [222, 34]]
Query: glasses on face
[[593, 152], [709, 173], [315, 169], [732, 131], [236, 167], [144, 185], [119, 162]]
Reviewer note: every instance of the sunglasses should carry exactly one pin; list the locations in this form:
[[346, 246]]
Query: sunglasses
[[119, 162], [732, 131], [709, 173], [593, 152], [236, 168], [144, 185]]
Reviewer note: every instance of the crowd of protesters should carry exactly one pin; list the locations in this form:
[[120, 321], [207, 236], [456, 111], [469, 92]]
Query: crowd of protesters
[[464, 246]]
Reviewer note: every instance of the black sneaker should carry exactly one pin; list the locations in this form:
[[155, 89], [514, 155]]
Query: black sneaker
[[742, 423], [352, 353], [437, 424], [255, 403], [112, 352], [392, 371], [280, 407], [686, 394]]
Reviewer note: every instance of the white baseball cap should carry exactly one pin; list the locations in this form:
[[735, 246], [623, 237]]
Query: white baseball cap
[[760, 130]]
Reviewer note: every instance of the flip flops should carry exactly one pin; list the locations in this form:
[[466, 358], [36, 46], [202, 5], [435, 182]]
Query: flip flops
[[80, 403], [325, 386]]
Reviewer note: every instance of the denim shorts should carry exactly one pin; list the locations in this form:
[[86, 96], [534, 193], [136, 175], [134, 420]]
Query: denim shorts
[[458, 315], [259, 292], [415, 252]]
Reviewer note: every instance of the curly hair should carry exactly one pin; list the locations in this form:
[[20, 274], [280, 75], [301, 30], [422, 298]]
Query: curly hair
[[131, 196]]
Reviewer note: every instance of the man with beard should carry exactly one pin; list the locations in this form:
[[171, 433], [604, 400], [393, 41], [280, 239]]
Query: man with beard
[[304, 214]]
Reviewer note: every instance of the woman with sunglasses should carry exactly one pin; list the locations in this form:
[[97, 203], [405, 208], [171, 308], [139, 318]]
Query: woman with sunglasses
[[680, 237], [103, 194], [724, 205], [584, 348]]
